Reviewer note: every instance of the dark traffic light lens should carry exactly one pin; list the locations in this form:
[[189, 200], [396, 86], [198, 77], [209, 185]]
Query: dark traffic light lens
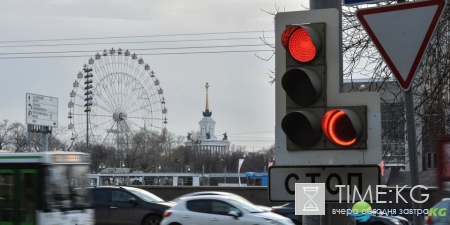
[[303, 86], [302, 128]]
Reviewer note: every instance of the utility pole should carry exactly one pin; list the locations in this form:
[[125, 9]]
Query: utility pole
[[324, 4]]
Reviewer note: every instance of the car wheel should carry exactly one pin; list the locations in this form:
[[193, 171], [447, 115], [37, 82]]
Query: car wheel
[[152, 220]]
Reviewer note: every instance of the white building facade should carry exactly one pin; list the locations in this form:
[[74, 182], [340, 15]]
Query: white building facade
[[207, 141]]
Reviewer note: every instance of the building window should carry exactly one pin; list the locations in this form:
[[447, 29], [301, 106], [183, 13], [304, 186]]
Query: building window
[[393, 153], [431, 160], [392, 122]]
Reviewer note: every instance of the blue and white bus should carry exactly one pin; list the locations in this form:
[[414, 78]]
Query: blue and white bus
[[46, 188], [257, 179]]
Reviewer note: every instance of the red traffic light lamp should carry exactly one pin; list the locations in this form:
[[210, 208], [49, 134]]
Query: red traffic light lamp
[[302, 43], [342, 126]]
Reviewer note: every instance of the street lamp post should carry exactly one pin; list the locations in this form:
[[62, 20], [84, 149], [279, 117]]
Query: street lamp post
[[188, 169], [239, 168], [88, 100], [225, 176], [101, 166], [158, 167], [122, 164], [181, 165]]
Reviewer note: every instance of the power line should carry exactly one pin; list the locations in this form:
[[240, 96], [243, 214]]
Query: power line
[[138, 36], [263, 132], [138, 49], [132, 42], [173, 53]]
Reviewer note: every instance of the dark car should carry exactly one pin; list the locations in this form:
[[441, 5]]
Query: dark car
[[385, 220], [288, 210], [117, 205]]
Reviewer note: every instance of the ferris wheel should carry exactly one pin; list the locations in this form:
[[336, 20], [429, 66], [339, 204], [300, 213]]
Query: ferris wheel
[[118, 96]]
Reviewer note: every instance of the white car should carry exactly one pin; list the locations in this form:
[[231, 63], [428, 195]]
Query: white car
[[219, 209], [198, 193]]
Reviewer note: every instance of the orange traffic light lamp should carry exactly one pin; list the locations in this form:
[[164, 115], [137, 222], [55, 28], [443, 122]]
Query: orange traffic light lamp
[[342, 126]]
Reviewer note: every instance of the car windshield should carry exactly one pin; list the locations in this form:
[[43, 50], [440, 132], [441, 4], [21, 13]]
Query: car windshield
[[246, 205], [145, 195]]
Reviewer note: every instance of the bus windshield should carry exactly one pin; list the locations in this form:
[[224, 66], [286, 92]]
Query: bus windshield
[[65, 187]]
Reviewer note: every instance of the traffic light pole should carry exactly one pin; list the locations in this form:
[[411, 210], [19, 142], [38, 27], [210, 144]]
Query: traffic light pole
[[324, 4], [412, 149]]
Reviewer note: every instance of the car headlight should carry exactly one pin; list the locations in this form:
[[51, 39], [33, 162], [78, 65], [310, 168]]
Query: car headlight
[[274, 222], [90, 222], [396, 222]]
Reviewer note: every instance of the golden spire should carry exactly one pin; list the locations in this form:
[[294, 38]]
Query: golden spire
[[207, 113], [207, 105]]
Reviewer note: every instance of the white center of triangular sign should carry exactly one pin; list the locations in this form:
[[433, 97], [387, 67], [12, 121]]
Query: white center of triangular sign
[[401, 34]]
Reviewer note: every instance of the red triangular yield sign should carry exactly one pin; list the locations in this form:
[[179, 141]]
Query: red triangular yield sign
[[402, 33]]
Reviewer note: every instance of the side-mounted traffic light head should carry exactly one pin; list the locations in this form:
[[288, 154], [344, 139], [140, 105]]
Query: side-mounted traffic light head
[[344, 127]]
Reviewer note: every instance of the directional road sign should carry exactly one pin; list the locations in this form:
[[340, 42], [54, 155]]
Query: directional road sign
[[282, 181], [401, 33], [41, 110]]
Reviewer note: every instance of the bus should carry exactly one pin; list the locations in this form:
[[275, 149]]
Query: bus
[[136, 179], [45, 188], [256, 179]]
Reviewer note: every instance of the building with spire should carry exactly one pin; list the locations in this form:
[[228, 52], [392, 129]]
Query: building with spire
[[207, 141]]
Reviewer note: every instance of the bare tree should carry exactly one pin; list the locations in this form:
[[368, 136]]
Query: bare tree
[[5, 131], [430, 87], [18, 137]]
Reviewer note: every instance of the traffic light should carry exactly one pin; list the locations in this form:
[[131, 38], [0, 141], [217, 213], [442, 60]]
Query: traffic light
[[303, 84], [307, 120]]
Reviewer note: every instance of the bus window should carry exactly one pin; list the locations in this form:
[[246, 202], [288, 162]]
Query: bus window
[[6, 195], [92, 181], [61, 180], [120, 181], [254, 182], [28, 199], [106, 180]]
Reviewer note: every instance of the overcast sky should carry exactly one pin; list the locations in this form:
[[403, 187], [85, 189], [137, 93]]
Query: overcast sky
[[240, 95]]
